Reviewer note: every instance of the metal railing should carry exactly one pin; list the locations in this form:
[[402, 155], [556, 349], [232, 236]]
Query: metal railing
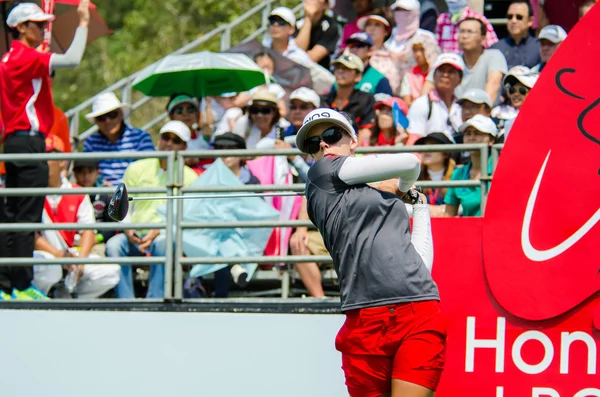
[[174, 224]]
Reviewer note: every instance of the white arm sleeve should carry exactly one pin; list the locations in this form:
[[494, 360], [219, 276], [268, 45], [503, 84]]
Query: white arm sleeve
[[421, 237], [71, 58], [376, 168]]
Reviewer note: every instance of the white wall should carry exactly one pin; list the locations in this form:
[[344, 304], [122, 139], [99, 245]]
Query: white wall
[[70, 353]]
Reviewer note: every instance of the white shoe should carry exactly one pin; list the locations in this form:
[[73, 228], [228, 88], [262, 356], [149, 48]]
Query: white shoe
[[239, 275]]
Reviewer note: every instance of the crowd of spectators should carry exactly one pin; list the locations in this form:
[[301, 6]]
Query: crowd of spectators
[[453, 79]]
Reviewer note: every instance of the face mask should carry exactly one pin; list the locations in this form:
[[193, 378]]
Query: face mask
[[455, 6]]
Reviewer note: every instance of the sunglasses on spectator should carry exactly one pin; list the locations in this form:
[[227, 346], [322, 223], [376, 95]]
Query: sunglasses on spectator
[[167, 136], [185, 109], [511, 89], [276, 20], [518, 16], [304, 106], [110, 115], [263, 111], [329, 136]]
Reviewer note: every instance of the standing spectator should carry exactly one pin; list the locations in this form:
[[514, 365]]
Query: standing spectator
[[519, 47], [484, 68], [448, 26], [380, 29], [282, 25], [414, 80], [550, 38], [372, 81], [92, 281], [318, 33], [28, 115], [438, 111], [407, 33], [361, 8], [385, 132], [517, 85], [346, 98], [114, 135], [148, 172], [478, 129], [475, 101]]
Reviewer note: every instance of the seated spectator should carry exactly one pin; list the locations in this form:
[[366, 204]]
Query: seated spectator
[[585, 7], [519, 47], [148, 172], [86, 173], [429, 15], [263, 120], [484, 68], [438, 111], [114, 135], [372, 81], [517, 84], [318, 33], [407, 33], [361, 8], [414, 80], [381, 59], [446, 33], [227, 103], [302, 101], [474, 101], [385, 132], [89, 281], [346, 98], [550, 38], [436, 166], [282, 25], [478, 129]]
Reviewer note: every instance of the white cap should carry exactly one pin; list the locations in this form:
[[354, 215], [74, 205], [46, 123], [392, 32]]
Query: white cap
[[106, 103], [306, 95], [319, 116], [482, 124], [450, 58], [406, 4], [553, 33], [523, 74], [476, 95], [286, 14], [362, 22], [27, 12], [178, 128]]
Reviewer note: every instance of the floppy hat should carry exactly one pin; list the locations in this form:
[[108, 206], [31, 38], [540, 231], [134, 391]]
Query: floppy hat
[[410, 5], [522, 74], [482, 124], [441, 137], [553, 33], [178, 128], [350, 61], [319, 116], [306, 95], [286, 14], [362, 38], [106, 103], [179, 99], [362, 22], [476, 95], [450, 58], [27, 12]]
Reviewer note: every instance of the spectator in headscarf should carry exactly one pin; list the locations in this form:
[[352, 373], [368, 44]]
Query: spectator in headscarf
[[406, 33]]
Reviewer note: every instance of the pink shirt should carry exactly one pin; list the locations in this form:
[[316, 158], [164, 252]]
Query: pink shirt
[[349, 29], [447, 32]]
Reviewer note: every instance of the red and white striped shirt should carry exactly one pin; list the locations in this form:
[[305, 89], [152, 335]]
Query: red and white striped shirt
[[447, 32]]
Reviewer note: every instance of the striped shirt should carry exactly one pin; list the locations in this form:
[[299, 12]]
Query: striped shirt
[[131, 140], [447, 31]]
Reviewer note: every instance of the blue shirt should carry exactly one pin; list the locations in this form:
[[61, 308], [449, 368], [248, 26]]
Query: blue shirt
[[131, 140], [526, 53]]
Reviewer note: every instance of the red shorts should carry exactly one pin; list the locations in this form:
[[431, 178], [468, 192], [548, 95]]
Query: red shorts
[[404, 341]]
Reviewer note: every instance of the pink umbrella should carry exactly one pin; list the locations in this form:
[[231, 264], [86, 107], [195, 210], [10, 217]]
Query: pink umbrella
[[63, 28]]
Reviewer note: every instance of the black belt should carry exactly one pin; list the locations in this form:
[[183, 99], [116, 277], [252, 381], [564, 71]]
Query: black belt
[[27, 133]]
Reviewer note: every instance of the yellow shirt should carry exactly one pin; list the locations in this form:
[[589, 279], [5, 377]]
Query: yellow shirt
[[147, 173]]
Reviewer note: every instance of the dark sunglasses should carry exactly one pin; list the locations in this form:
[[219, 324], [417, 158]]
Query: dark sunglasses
[[304, 106], [110, 115], [511, 89], [518, 16], [329, 136], [171, 137], [257, 110], [185, 109], [276, 20]]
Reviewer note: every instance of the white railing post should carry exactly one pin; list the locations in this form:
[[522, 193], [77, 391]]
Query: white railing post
[[226, 38]]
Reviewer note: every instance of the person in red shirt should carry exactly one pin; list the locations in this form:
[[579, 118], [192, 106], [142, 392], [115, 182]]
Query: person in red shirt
[[28, 114]]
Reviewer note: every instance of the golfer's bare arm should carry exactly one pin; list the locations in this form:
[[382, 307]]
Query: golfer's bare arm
[[72, 57], [405, 166]]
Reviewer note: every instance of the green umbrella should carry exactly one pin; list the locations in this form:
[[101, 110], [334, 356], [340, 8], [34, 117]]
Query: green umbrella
[[200, 74]]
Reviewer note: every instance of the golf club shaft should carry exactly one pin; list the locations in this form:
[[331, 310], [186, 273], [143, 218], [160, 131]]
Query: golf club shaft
[[217, 196]]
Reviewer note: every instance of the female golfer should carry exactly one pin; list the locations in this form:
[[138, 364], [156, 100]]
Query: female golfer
[[393, 339]]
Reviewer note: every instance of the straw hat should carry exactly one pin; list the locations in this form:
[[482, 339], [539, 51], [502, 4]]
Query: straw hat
[[106, 103]]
